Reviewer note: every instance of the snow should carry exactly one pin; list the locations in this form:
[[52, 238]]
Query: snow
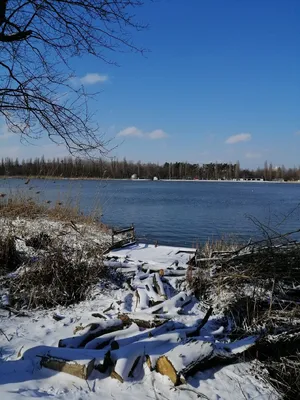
[[126, 356], [27, 338], [150, 256], [185, 354], [26, 379]]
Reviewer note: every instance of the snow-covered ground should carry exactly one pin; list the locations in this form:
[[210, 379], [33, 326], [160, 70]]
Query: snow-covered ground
[[21, 375], [150, 256]]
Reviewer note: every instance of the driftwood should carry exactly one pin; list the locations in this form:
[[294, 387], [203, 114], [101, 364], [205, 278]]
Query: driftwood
[[183, 360], [90, 332]]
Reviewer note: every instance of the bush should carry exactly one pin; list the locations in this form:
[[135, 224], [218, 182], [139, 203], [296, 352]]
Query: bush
[[10, 259], [55, 279]]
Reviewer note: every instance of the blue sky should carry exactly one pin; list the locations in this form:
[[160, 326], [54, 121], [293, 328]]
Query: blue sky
[[221, 82]]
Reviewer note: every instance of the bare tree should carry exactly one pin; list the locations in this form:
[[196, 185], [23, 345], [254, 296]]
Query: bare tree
[[37, 40]]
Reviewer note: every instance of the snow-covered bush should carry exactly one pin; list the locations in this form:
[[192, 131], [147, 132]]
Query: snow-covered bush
[[55, 278]]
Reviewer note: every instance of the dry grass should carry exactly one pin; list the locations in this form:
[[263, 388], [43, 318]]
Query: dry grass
[[54, 270], [18, 205], [285, 376], [223, 245], [10, 259], [258, 289], [55, 278]]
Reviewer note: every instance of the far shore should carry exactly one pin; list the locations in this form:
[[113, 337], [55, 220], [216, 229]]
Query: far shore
[[142, 179]]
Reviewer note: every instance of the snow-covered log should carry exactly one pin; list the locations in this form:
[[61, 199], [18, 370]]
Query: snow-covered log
[[104, 340], [75, 362], [90, 332], [171, 306], [172, 272], [184, 359], [151, 289], [159, 286], [195, 330], [142, 298], [142, 319], [143, 335], [126, 359]]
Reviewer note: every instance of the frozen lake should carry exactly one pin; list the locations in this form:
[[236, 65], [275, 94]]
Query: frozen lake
[[176, 213]]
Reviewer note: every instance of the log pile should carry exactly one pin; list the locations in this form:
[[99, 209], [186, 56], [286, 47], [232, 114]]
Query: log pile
[[153, 335], [126, 344]]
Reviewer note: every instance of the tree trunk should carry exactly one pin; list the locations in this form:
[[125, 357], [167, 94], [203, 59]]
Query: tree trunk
[[90, 332], [183, 360]]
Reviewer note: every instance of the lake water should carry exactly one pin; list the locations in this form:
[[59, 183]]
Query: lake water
[[177, 213]]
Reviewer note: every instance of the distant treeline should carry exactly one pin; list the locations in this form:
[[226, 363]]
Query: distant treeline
[[122, 169]]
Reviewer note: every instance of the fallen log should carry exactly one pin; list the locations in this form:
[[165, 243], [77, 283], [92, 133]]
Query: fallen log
[[172, 272], [172, 305], [142, 299], [127, 358], [105, 340], [159, 286], [145, 334], [195, 330], [75, 362], [143, 320], [152, 294], [183, 360], [90, 332]]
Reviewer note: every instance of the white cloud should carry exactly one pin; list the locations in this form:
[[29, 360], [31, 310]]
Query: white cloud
[[131, 131], [157, 134], [297, 133], [253, 155], [135, 132], [241, 137], [92, 79]]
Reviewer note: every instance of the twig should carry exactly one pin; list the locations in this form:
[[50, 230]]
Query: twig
[[13, 311], [3, 333]]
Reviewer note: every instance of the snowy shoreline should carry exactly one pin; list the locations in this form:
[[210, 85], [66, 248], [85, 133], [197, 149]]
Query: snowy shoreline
[[26, 337], [144, 179]]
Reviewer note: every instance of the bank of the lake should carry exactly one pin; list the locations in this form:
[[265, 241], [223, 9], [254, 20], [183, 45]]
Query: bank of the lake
[[175, 213]]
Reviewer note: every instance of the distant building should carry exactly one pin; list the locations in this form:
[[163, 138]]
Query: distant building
[[252, 179], [134, 176]]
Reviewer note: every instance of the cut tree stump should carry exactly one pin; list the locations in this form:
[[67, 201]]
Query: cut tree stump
[[127, 358], [77, 362], [184, 360], [90, 332], [82, 371]]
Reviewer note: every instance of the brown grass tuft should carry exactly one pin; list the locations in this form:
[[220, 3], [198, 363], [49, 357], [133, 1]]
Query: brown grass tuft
[[55, 278], [10, 259]]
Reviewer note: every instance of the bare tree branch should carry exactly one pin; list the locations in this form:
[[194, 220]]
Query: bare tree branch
[[37, 40]]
